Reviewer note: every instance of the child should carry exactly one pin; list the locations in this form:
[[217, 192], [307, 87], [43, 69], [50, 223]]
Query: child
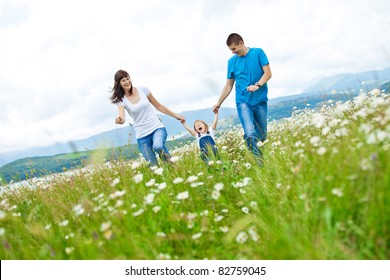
[[205, 137]]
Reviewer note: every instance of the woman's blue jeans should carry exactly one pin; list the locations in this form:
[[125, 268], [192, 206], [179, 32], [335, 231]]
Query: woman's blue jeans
[[154, 142], [254, 122]]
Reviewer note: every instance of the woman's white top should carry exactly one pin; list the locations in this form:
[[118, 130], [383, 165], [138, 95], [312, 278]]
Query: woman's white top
[[145, 119]]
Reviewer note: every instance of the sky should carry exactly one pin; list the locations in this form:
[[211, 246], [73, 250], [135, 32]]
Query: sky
[[58, 58]]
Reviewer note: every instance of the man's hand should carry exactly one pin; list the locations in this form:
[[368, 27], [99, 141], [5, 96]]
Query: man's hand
[[252, 88]]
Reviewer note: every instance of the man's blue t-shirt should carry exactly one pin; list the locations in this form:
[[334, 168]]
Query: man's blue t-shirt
[[247, 70]]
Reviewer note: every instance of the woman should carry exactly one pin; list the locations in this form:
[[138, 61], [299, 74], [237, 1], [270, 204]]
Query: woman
[[149, 130]]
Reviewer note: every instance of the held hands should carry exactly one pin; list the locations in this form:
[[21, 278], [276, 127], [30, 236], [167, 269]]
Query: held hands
[[180, 118], [216, 108]]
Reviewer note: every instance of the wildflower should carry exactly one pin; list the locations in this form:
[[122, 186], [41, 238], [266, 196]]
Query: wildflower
[[253, 204], [337, 192], [69, 235], [365, 164], [138, 178], [133, 205], [158, 171], [69, 250], [135, 165], [341, 132], [164, 256], [224, 229], [119, 203], [252, 232], [108, 234], [78, 209], [64, 223], [178, 180], [161, 234], [150, 183], [245, 210], [156, 209], [321, 151], [204, 213], [117, 194], [218, 218], [182, 195], [105, 226], [175, 159], [318, 120], [190, 224], [248, 165], [149, 198], [375, 91], [242, 237], [48, 226], [196, 184], [315, 140], [2, 214], [115, 182], [197, 235], [377, 137], [325, 130], [162, 186], [215, 195], [139, 212], [191, 179]]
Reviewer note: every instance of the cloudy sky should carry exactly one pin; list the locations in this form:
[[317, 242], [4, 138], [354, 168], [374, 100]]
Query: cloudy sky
[[58, 58]]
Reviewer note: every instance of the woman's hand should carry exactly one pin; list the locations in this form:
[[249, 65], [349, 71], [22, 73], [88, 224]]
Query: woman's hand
[[119, 120], [180, 118]]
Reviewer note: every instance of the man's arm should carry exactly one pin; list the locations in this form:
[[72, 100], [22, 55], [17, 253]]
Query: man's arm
[[227, 89], [265, 78]]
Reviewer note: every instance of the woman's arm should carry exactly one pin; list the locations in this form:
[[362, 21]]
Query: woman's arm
[[121, 115], [164, 109]]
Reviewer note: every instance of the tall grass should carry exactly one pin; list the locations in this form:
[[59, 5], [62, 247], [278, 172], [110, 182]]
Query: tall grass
[[323, 193]]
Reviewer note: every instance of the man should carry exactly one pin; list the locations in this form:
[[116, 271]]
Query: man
[[249, 69]]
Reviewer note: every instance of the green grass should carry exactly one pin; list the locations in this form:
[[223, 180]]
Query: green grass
[[323, 193]]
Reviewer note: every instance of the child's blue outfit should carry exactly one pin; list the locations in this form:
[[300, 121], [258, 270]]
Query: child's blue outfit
[[206, 143]]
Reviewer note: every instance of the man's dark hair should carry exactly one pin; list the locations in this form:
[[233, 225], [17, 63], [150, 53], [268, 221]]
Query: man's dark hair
[[234, 38]]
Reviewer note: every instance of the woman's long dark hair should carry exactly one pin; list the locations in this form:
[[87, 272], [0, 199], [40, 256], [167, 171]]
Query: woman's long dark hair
[[117, 91]]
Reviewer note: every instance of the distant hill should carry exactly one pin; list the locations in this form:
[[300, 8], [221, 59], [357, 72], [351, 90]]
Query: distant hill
[[351, 81]]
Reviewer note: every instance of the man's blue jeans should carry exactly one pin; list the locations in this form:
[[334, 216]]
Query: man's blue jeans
[[154, 142], [254, 122]]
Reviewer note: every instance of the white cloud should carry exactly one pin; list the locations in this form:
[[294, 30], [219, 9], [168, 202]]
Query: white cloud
[[58, 58]]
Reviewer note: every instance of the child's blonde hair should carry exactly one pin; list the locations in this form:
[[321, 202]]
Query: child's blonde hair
[[205, 124]]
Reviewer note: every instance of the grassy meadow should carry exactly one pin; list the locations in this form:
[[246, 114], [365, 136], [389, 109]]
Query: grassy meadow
[[323, 193]]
